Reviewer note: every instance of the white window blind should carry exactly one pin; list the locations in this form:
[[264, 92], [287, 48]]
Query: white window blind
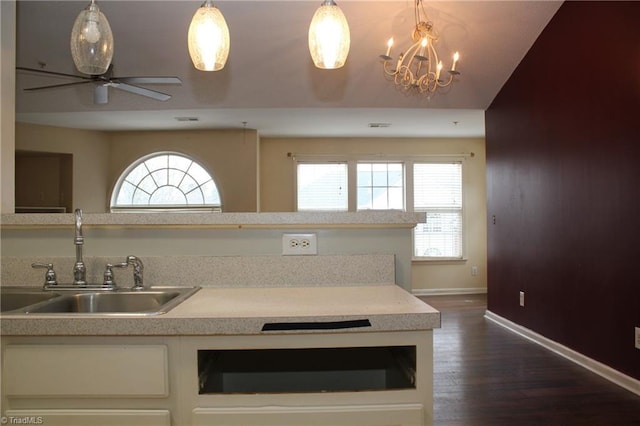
[[438, 192], [322, 187], [380, 186]]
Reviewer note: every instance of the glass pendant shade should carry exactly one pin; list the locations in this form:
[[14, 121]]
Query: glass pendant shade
[[208, 38], [91, 41], [329, 37]]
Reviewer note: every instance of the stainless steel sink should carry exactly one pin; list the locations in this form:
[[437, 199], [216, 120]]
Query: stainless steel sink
[[153, 301], [13, 299]]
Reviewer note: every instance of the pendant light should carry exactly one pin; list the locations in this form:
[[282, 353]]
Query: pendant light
[[208, 38], [91, 41], [329, 37]]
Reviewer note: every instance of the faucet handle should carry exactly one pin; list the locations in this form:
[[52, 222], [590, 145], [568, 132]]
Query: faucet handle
[[108, 279], [50, 278]]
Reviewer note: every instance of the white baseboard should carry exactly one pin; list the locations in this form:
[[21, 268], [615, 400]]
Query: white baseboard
[[447, 291], [599, 368]]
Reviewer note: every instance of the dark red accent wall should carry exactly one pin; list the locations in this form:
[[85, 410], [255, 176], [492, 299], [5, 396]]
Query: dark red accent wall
[[563, 183]]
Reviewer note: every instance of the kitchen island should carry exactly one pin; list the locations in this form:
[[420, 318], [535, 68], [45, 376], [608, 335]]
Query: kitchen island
[[322, 355]]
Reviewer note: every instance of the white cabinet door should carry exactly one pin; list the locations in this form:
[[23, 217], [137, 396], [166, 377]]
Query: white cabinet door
[[349, 415], [85, 371], [88, 417]]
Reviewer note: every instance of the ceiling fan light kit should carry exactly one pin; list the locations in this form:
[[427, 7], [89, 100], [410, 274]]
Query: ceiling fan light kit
[[329, 37], [101, 94], [208, 38], [418, 69], [91, 41]]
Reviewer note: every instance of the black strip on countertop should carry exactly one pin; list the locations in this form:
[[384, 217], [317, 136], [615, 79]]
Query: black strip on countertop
[[322, 325]]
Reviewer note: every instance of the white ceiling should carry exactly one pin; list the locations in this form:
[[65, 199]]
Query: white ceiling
[[269, 81]]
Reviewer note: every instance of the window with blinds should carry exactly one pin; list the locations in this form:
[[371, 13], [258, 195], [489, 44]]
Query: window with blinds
[[322, 187], [438, 192]]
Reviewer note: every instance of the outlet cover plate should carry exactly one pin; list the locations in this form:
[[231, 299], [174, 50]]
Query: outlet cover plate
[[299, 244]]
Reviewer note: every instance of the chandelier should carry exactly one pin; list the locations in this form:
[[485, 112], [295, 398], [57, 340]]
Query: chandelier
[[418, 68]]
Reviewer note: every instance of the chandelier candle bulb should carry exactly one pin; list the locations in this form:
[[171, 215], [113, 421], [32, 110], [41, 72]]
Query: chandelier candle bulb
[[456, 56], [438, 71], [424, 45], [389, 44]]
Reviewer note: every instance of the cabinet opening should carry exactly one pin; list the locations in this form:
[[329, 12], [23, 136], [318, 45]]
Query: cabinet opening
[[306, 370]]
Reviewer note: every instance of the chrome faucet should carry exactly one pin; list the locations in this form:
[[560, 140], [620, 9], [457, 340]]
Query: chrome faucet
[[79, 268]]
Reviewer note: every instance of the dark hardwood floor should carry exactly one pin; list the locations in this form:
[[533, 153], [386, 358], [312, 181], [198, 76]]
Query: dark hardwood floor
[[487, 375]]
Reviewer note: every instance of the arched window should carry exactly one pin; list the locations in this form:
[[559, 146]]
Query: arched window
[[165, 181]]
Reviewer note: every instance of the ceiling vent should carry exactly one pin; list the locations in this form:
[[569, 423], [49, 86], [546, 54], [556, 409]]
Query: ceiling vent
[[376, 125], [187, 119]]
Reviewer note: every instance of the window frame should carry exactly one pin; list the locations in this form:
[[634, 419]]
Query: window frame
[[162, 208], [387, 163]]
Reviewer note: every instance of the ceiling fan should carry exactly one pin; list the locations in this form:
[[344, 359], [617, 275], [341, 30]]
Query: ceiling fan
[[102, 83]]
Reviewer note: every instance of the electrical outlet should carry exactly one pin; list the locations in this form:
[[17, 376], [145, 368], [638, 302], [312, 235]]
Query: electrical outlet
[[474, 271], [522, 298], [637, 337], [299, 244]]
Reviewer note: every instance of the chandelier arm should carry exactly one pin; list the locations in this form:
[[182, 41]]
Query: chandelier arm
[[449, 81], [386, 69], [405, 76], [433, 62]]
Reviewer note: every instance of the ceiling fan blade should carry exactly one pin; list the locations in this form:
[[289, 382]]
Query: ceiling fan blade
[[53, 73], [53, 86], [140, 91], [149, 80]]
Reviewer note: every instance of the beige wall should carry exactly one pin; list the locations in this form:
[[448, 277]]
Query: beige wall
[[100, 158], [90, 151], [229, 155], [277, 192], [232, 157]]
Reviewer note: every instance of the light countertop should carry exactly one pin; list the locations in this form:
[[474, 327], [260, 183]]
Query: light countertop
[[245, 311], [389, 219]]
